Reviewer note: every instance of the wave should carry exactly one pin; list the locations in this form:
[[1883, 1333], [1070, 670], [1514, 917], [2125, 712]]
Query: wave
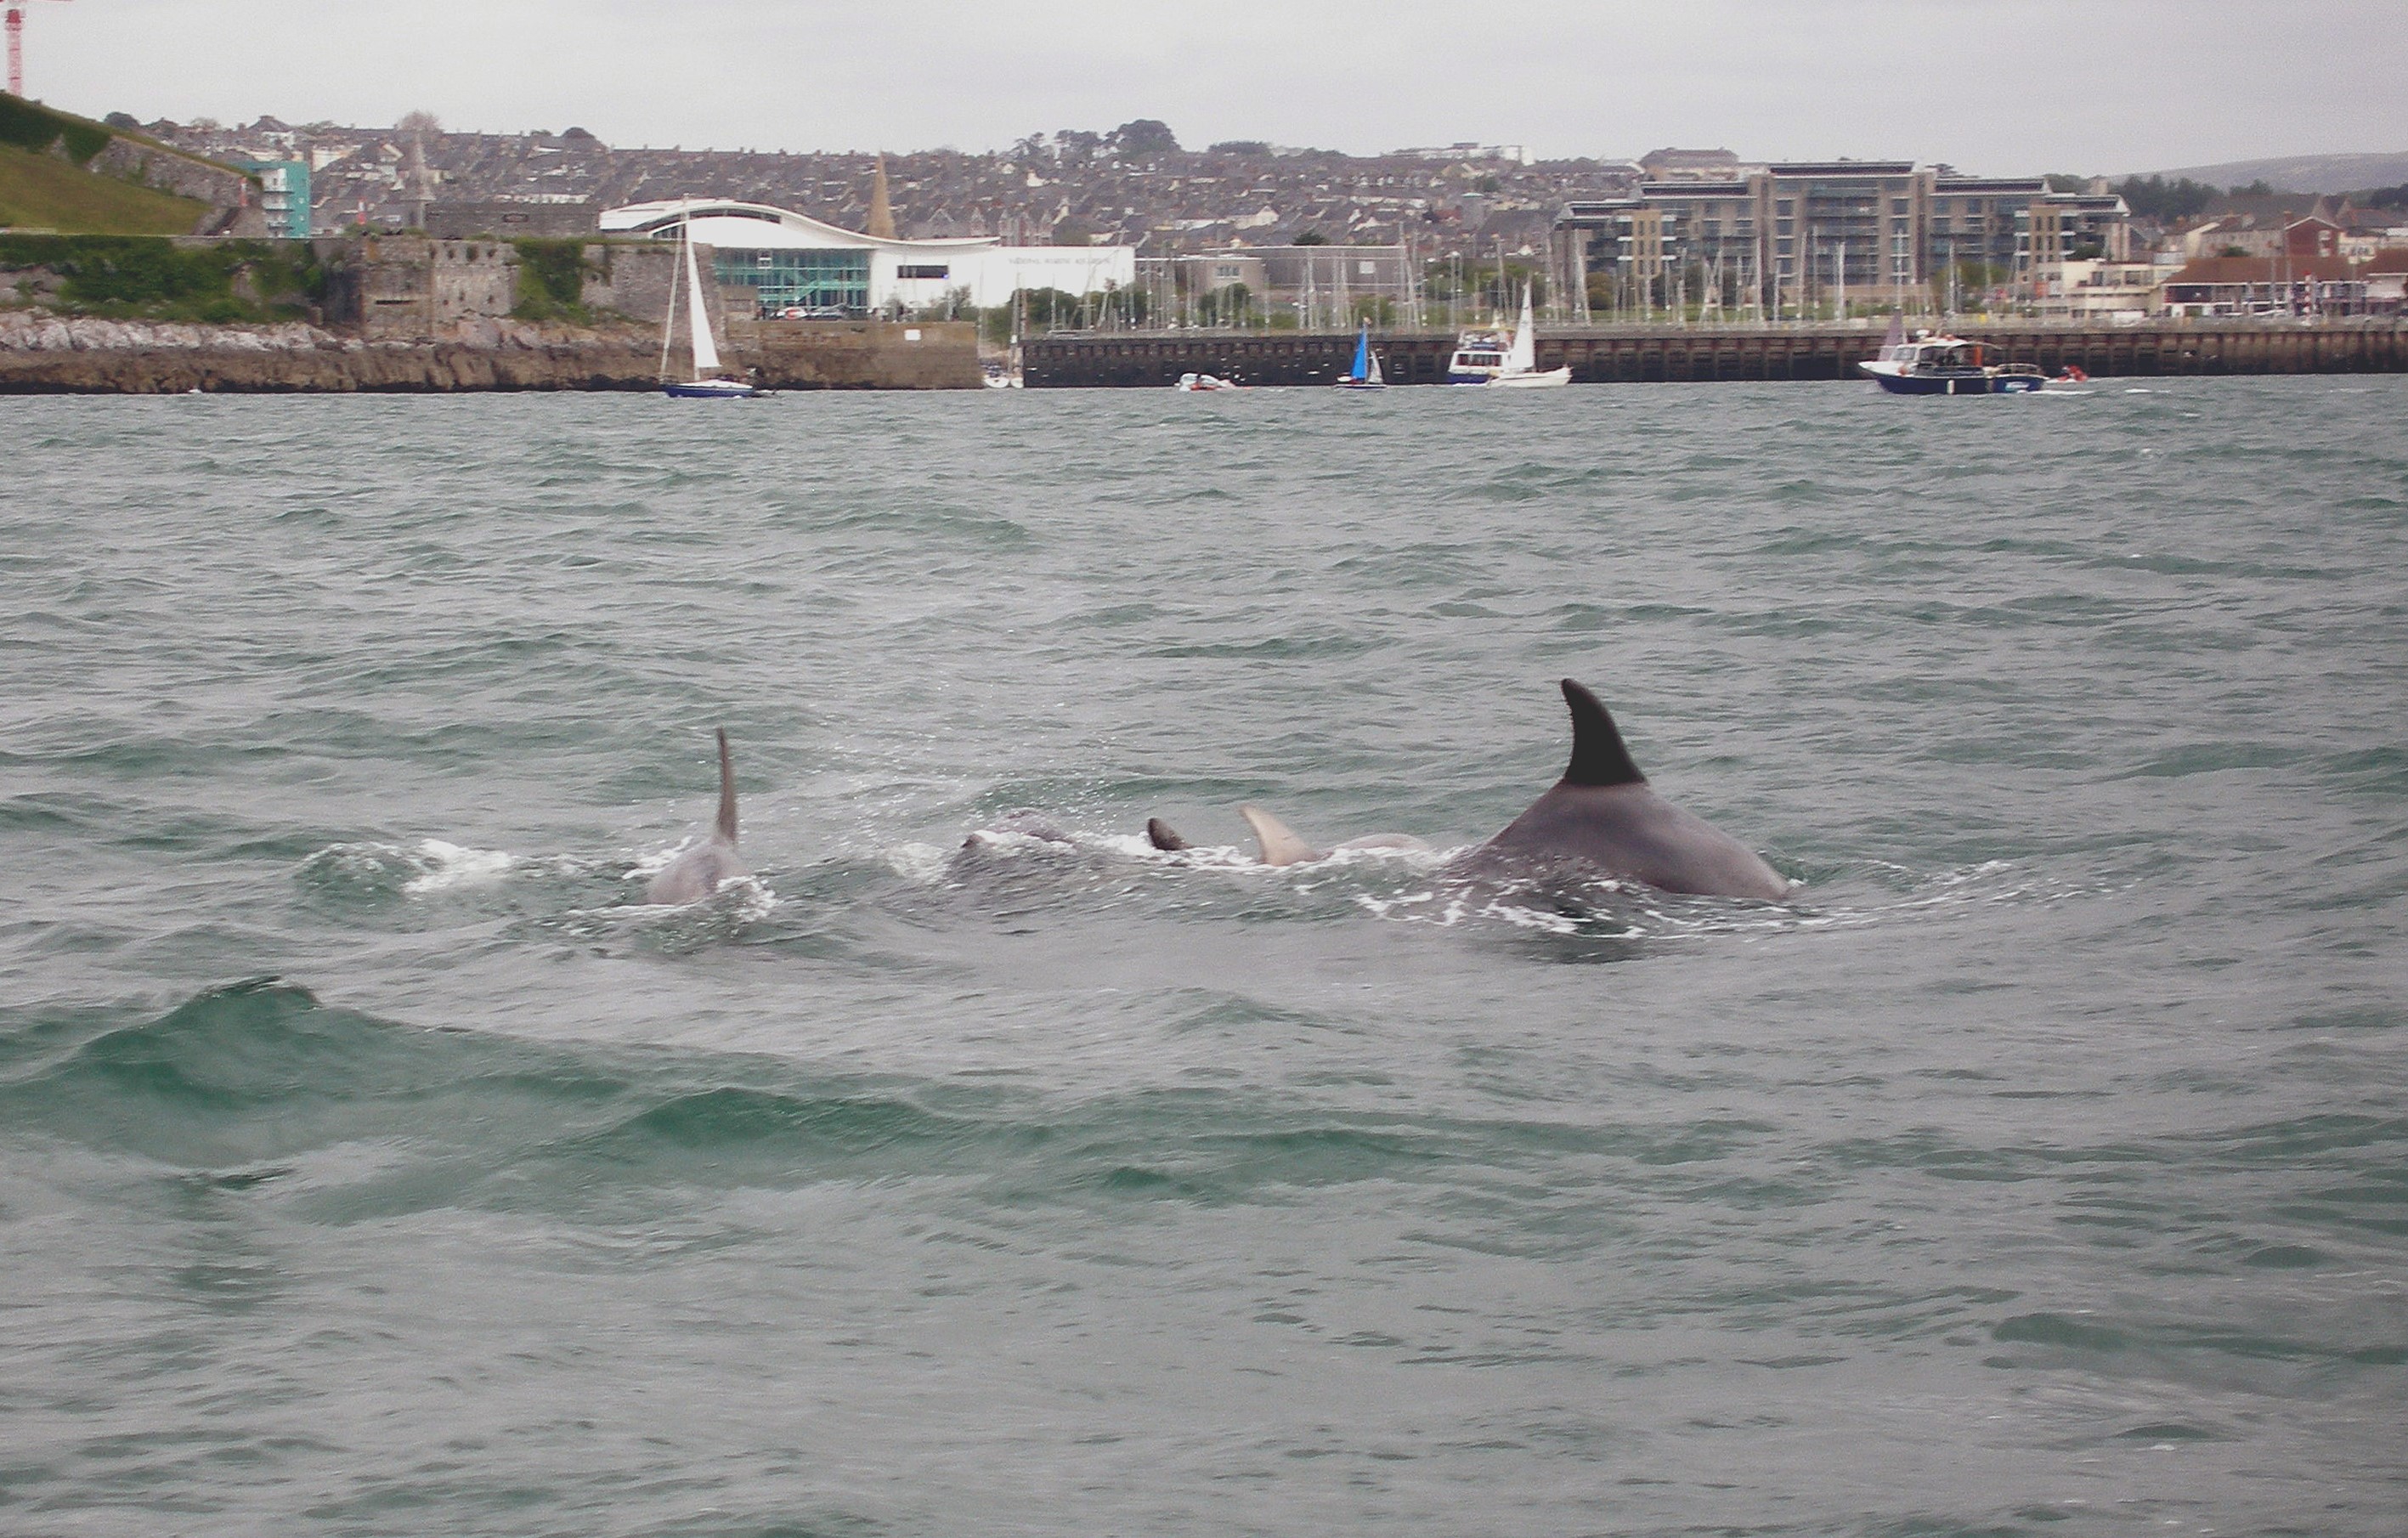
[[428, 865]]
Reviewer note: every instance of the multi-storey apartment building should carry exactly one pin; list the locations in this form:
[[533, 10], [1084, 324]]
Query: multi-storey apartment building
[[1808, 232]]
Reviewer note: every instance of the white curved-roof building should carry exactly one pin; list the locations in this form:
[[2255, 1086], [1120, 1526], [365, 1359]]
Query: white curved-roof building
[[797, 262]]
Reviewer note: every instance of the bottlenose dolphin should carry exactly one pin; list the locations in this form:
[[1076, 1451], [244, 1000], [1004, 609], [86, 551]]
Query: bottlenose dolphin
[[699, 870], [1602, 815], [1276, 844]]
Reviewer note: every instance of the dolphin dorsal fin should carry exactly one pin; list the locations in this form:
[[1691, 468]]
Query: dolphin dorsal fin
[[1599, 758], [726, 791], [1276, 841]]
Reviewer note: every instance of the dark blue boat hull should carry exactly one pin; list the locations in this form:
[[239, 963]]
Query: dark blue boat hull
[[709, 389], [1970, 383]]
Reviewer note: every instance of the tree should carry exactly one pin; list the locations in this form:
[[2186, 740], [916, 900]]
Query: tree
[[1144, 138], [1312, 237], [420, 122], [2154, 197], [1076, 146], [2059, 183]]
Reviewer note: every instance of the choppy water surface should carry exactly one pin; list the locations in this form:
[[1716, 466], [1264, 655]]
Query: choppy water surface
[[371, 1163]]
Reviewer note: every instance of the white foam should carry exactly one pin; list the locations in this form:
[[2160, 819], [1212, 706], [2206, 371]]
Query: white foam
[[924, 862], [445, 866], [430, 865]]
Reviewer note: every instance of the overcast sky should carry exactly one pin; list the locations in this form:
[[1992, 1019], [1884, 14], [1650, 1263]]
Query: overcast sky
[[1994, 86]]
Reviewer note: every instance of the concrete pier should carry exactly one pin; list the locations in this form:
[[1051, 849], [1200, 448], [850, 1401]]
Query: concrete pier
[[1622, 356]]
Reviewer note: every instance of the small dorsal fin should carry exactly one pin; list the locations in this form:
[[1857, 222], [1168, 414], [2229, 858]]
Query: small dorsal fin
[[1599, 758], [726, 791], [1276, 842]]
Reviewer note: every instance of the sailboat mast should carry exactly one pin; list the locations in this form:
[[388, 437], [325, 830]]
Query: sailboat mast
[[668, 324]]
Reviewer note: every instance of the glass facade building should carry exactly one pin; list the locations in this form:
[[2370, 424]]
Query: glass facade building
[[788, 278]]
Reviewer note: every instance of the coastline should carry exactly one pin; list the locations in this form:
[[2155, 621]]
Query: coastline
[[45, 353]]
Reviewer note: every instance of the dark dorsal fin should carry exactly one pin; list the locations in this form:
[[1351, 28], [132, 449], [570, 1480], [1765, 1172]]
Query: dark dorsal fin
[[1599, 758], [726, 791]]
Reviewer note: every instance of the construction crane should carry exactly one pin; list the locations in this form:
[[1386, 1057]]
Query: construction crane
[[16, 48]]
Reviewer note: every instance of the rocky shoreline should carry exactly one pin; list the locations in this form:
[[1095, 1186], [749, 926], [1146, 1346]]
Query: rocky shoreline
[[48, 354], [45, 353]]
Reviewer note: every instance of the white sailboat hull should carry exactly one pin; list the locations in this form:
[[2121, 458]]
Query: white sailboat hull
[[1546, 379]]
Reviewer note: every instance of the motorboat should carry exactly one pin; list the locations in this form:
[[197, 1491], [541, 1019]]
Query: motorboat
[[1504, 362], [708, 382], [1365, 372], [1479, 358], [1943, 364]]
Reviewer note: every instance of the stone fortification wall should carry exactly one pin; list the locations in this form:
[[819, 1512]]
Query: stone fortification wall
[[232, 196], [510, 218], [635, 278], [863, 354], [408, 285]]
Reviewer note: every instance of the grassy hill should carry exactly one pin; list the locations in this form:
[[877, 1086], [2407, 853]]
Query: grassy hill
[[45, 183], [43, 192]]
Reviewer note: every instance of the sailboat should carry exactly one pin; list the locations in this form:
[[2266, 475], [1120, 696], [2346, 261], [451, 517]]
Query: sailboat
[[1365, 374], [708, 382], [1520, 370]]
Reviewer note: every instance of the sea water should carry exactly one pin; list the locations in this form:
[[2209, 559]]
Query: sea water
[[372, 1161]]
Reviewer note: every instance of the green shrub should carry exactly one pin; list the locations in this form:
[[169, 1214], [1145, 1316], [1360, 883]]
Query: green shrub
[[552, 280], [151, 278], [29, 127]]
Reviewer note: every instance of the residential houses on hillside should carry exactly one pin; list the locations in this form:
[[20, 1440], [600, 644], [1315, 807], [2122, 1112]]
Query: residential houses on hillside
[[1056, 189], [1702, 231]]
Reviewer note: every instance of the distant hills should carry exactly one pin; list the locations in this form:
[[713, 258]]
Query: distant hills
[[2303, 173]]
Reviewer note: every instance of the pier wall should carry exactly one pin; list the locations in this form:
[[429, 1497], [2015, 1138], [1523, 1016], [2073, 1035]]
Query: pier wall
[[1629, 356]]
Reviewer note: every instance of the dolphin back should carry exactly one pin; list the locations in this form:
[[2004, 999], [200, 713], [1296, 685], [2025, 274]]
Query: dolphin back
[[1602, 815], [698, 871], [1631, 832]]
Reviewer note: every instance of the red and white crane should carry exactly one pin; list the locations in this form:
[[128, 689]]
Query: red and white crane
[[16, 48]]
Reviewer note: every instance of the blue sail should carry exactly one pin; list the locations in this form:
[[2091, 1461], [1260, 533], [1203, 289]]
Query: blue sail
[[1362, 369]]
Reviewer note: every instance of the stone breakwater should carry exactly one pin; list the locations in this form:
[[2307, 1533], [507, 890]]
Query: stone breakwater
[[43, 353]]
